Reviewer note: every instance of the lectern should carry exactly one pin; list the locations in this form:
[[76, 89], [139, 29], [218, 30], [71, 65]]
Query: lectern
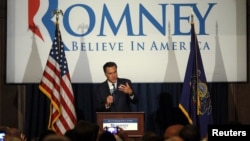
[[131, 122]]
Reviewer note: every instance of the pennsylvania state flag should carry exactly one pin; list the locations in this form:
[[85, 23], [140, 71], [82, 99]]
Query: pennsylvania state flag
[[195, 100]]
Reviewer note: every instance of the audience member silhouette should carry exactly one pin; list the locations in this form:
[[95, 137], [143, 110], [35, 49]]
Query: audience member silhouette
[[45, 134], [174, 138], [172, 130], [55, 137], [70, 134], [3, 128], [190, 133], [118, 138], [121, 135], [107, 136], [13, 134], [12, 139], [83, 131], [151, 136]]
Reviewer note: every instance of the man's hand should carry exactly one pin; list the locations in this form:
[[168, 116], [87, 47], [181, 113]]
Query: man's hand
[[125, 88], [109, 100], [23, 138]]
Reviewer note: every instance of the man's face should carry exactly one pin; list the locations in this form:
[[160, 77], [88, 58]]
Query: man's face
[[111, 74]]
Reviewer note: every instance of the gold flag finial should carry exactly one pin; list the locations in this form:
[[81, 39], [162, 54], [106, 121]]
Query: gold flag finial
[[57, 12], [192, 16]]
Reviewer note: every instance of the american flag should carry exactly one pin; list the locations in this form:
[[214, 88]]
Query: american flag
[[56, 85]]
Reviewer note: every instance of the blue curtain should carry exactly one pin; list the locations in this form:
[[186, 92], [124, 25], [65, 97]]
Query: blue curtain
[[159, 102]]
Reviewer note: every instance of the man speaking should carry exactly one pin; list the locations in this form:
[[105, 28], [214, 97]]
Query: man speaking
[[114, 94]]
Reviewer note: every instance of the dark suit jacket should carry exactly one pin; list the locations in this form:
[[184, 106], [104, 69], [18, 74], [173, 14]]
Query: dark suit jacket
[[121, 101]]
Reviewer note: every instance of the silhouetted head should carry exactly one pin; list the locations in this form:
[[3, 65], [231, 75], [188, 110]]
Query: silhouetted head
[[190, 133], [107, 136], [151, 136], [173, 130]]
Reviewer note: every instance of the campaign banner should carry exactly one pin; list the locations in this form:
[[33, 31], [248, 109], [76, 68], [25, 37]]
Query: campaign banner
[[130, 124], [149, 40]]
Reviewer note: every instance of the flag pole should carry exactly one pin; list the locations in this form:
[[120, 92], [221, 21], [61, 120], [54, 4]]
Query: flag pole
[[196, 68], [57, 12]]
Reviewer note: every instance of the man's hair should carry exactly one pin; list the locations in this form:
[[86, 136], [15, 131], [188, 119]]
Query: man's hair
[[109, 64], [55, 137], [190, 133]]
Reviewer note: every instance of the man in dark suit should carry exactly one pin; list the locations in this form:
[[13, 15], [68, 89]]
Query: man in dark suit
[[114, 94]]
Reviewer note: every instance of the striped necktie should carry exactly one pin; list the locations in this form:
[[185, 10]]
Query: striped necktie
[[113, 89]]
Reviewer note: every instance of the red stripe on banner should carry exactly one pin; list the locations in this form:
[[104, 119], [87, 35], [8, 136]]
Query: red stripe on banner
[[33, 7]]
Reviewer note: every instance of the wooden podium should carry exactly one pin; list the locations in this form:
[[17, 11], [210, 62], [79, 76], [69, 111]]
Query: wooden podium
[[131, 122]]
